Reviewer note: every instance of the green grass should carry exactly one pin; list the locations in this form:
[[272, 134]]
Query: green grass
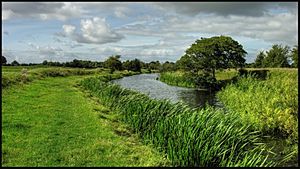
[[189, 137], [177, 78], [180, 78], [50, 122]]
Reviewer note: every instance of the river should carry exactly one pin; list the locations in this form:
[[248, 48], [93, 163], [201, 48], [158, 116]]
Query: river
[[147, 84]]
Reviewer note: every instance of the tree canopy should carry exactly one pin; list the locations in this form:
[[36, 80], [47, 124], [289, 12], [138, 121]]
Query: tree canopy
[[134, 65], [259, 61], [277, 56], [113, 63], [210, 54]]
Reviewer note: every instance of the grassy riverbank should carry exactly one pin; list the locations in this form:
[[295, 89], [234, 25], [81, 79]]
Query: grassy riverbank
[[189, 137], [269, 106], [13, 75], [50, 122]]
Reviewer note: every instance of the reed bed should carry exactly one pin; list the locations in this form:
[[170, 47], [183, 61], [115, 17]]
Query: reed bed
[[177, 78], [189, 137], [270, 105], [181, 78]]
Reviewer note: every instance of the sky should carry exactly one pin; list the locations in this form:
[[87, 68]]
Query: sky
[[63, 31]]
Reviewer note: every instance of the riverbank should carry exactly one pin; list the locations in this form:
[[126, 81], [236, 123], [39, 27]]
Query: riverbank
[[181, 132], [16, 75], [269, 105]]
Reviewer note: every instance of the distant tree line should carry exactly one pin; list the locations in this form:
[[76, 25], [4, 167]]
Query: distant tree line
[[206, 54], [277, 56], [113, 63]]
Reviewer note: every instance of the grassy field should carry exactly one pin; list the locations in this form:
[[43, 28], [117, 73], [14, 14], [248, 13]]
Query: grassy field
[[12, 75], [50, 122]]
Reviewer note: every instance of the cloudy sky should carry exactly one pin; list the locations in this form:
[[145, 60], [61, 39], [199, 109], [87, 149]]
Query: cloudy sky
[[58, 31]]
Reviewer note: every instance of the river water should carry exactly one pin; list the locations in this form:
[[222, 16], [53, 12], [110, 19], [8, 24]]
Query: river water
[[147, 84]]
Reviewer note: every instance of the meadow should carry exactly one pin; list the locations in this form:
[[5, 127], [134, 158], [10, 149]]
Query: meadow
[[49, 121]]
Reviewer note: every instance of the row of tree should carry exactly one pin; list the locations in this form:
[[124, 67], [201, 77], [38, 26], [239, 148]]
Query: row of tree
[[206, 55], [277, 56], [113, 63]]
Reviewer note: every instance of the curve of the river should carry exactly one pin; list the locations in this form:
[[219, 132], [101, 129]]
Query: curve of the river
[[148, 84]]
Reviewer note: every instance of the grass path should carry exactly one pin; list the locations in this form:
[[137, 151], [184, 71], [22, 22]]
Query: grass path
[[50, 122]]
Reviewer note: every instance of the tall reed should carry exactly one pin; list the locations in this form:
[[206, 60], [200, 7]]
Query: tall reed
[[189, 137], [270, 105]]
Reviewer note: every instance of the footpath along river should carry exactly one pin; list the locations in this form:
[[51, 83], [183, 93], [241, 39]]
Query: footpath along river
[[148, 84]]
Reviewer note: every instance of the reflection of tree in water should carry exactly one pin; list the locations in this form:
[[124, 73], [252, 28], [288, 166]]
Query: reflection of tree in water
[[197, 98]]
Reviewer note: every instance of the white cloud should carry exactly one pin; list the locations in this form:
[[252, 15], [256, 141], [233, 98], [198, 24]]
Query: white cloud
[[94, 31], [69, 29]]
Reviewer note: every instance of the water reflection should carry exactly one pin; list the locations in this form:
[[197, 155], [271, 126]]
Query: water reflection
[[147, 83]]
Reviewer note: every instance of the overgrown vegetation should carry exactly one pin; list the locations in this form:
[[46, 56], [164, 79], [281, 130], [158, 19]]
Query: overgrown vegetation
[[271, 105], [189, 137], [185, 79], [277, 56]]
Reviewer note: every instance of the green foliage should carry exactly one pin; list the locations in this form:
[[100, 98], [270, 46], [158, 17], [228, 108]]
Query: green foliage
[[154, 65], [168, 66], [186, 79], [189, 137], [210, 54], [271, 105], [113, 63], [277, 56], [12, 75], [133, 65], [294, 56], [259, 61], [205, 81], [177, 78]]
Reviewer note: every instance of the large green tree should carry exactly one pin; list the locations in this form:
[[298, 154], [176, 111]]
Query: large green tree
[[259, 61], [134, 65], [210, 54], [113, 63], [277, 56]]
